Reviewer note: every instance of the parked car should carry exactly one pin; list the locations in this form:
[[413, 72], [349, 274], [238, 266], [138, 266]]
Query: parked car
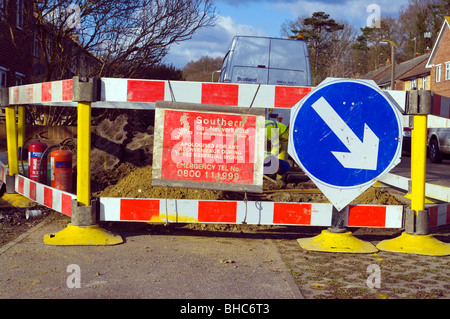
[[438, 144]]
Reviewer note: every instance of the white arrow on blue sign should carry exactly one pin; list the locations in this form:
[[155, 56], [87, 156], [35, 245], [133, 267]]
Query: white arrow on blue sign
[[345, 135]]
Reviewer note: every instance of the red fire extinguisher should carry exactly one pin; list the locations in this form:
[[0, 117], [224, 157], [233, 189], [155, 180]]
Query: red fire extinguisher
[[35, 152], [61, 170]]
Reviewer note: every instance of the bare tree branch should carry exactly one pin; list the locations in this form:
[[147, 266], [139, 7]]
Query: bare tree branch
[[124, 34]]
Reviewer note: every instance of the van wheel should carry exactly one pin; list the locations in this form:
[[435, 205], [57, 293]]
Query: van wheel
[[435, 154]]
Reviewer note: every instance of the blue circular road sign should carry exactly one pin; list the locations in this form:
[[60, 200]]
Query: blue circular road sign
[[345, 134]]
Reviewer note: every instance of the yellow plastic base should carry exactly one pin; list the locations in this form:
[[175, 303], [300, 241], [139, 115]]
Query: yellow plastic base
[[14, 200], [336, 242], [83, 236], [415, 244]]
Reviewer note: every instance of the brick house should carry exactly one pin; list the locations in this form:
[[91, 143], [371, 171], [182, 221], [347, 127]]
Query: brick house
[[417, 78], [408, 74], [17, 46], [22, 58], [439, 61], [378, 73]]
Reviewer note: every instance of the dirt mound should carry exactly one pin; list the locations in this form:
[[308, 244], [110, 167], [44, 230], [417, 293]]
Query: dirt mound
[[138, 184], [375, 196], [130, 181]]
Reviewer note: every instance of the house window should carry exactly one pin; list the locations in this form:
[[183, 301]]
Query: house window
[[438, 73], [19, 78], [447, 71], [424, 83], [35, 46], [19, 14], [413, 84], [3, 77], [3, 7]]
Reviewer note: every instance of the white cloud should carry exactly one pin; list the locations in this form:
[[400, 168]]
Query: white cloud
[[213, 42], [232, 28]]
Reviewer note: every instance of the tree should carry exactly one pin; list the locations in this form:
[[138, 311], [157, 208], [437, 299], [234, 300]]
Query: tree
[[369, 45], [202, 69], [341, 60], [124, 38], [422, 17], [318, 31], [126, 35], [415, 20]]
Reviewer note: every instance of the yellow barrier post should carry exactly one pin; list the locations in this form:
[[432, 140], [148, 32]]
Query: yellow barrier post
[[11, 140], [418, 163], [83, 229], [20, 125], [84, 154], [416, 238]]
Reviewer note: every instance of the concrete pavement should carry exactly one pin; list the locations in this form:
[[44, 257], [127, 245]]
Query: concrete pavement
[[175, 265]]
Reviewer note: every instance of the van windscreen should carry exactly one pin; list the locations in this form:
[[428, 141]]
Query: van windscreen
[[252, 52], [287, 54]]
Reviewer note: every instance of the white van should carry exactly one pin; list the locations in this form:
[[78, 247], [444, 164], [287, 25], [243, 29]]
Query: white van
[[263, 60]]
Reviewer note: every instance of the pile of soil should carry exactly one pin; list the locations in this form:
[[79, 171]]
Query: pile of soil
[[137, 184], [376, 196], [129, 181]]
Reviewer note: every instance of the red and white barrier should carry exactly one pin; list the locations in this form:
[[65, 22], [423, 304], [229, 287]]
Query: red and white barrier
[[131, 93], [439, 215], [390, 216], [4, 171], [229, 212], [441, 106], [239, 212], [149, 91], [219, 211], [41, 93], [245, 95], [45, 195], [206, 211]]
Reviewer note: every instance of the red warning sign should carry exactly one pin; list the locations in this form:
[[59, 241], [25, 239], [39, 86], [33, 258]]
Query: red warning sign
[[207, 149]]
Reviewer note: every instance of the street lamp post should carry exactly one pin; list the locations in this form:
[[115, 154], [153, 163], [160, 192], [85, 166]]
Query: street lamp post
[[393, 66], [392, 61]]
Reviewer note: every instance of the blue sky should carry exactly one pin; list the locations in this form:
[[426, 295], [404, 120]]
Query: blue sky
[[264, 18]]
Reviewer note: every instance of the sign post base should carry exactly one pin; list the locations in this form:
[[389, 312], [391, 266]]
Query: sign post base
[[344, 242], [415, 244], [82, 236]]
